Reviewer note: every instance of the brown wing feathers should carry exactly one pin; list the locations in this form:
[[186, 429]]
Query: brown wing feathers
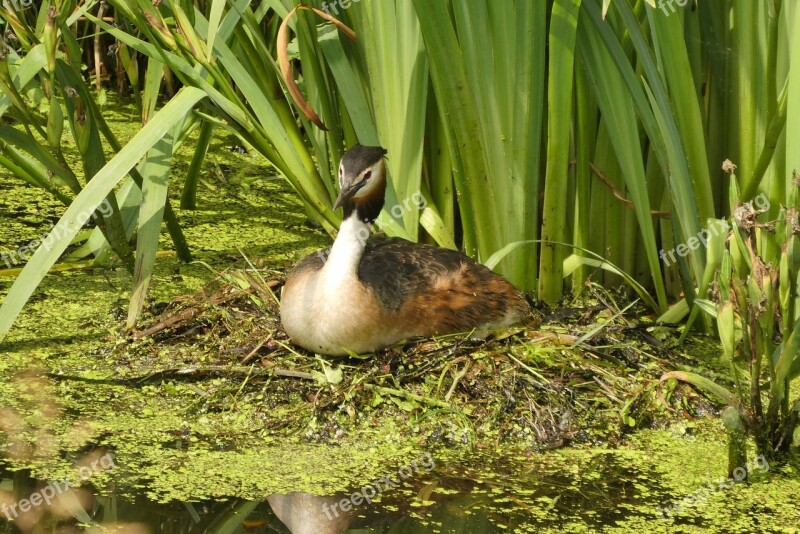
[[435, 288]]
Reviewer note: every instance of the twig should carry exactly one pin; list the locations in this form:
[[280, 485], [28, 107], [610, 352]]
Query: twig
[[185, 372], [189, 314], [530, 369], [408, 395], [617, 193], [607, 390], [253, 352], [98, 57], [458, 377], [293, 374]]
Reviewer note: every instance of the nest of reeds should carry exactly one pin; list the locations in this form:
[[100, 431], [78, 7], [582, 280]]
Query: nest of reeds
[[581, 373]]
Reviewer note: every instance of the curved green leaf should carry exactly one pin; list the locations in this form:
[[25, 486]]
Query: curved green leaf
[[92, 195]]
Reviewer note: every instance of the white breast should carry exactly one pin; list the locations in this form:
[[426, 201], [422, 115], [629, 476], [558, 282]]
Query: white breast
[[329, 309]]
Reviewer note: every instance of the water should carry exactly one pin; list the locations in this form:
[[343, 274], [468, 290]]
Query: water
[[571, 490], [232, 453]]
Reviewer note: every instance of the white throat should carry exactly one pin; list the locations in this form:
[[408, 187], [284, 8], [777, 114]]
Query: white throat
[[346, 252]]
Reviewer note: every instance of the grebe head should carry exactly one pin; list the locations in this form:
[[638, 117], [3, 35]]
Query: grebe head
[[362, 180]]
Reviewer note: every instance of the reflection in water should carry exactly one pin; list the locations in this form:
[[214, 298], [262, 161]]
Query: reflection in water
[[31, 505], [304, 513], [495, 498], [551, 499]]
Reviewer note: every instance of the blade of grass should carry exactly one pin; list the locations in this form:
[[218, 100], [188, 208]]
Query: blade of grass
[[92, 195], [155, 173], [563, 30], [618, 112]]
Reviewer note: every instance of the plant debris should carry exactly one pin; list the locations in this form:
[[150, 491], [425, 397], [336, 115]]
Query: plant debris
[[538, 384]]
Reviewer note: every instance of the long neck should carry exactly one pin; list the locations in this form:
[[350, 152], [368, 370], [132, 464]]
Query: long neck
[[347, 248], [359, 213]]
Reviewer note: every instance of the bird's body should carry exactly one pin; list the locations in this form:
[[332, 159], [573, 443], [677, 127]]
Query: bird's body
[[367, 293]]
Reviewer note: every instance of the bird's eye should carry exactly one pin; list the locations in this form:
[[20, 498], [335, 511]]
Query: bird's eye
[[367, 175]]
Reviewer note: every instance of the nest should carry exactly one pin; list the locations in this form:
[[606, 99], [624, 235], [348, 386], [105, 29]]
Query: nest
[[538, 383]]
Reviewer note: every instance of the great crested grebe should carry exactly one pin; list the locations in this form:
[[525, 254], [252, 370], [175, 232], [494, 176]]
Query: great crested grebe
[[365, 294]]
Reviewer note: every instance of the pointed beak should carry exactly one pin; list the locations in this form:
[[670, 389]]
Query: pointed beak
[[346, 194]]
